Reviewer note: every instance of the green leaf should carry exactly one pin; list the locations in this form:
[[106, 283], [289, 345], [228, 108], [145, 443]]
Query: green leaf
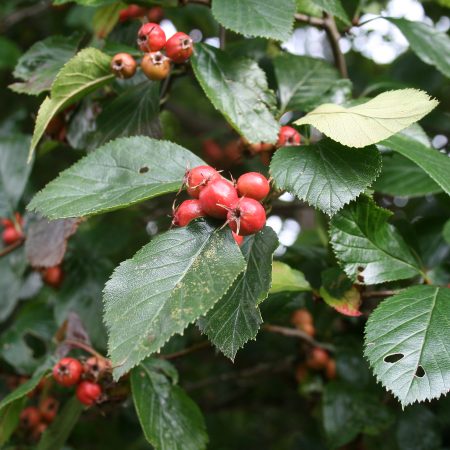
[[85, 72], [327, 175], [302, 80], [238, 88], [370, 250], [372, 121], [121, 173], [14, 171], [39, 65], [133, 113], [348, 412], [407, 343], [9, 419], [235, 319], [168, 416], [446, 231], [403, 178], [338, 291], [287, 279], [167, 285], [59, 431], [106, 18], [334, 7], [434, 163], [263, 18], [429, 44], [9, 53]]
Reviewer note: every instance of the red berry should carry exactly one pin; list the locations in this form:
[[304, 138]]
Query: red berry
[[239, 239], [151, 37], [123, 65], [88, 392], [38, 431], [301, 317], [253, 185], [197, 178], [53, 276], [132, 12], [155, 66], [49, 408], [330, 369], [246, 216], [11, 235], [217, 197], [6, 222], [187, 211], [212, 151], [155, 14], [288, 136], [317, 359], [179, 48], [67, 371], [30, 417]]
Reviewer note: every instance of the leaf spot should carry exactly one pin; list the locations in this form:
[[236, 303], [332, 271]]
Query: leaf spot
[[144, 169]]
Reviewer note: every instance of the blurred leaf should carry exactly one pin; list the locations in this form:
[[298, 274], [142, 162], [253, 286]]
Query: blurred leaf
[[407, 342], [14, 171], [169, 418], [9, 419], [334, 7], [121, 173], [46, 241], [372, 121], [39, 65], [167, 285], [327, 175], [403, 178], [262, 18], [59, 431], [348, 411], [302, 80], [434, 163], [87, 71], [446, 231], [133, 113], [9, 53], [106, 18], [235, 319], [338, 291], [238, 89], [429, 44], [287, 279], [370, 250]]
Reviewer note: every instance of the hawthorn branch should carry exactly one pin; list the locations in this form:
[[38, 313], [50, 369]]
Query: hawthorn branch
[[11, 247], [295, 333], [187, 351], [310, 20], [377, 294], [24, 13]]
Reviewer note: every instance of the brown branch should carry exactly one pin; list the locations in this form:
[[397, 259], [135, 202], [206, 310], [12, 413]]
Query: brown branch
[[87, 348], [294, 332], [11, 247], [310, 20], [375, 294], [187, 351], [333, 37], [24, 13]]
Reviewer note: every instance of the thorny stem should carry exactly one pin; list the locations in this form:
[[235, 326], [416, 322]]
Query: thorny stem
[[294, 332], [11, 247]]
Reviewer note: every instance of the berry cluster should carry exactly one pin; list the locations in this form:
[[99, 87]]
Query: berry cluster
[[317, 359], [12, 230], [131, 12], [155, 64], [215, 196], [87, 377]]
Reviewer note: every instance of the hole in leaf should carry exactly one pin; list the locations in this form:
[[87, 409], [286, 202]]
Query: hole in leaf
[[420, 372], [360, 269], [393, 358], [143, 169], [35, 344], [360, 278]]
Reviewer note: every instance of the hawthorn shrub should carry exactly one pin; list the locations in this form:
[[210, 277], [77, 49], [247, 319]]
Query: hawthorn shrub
[[215, 238]]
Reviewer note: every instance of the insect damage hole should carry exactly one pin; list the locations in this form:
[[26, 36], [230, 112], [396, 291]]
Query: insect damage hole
[[393, 358], [420, 372], [144, 169]]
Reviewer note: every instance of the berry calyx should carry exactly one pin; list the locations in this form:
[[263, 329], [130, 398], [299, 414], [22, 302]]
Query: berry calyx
[[123, 65], [187, 211], [218, 197], [53, 276], [253, 185], [67, 371], [151, 37], [179, 48], [49, 408], [95, 367], [11, 235], [197, 179], [246, 216], [30, 417], [88, 393], [317, 359], [239, 239], [288, 136], [155, 66]]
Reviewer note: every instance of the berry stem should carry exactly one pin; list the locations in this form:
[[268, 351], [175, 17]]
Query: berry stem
[[85, 347], [11, 247]]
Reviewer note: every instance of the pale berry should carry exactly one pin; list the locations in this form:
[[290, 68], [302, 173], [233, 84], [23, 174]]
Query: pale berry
[[218, 197], [155, 66], [301, 317], [253, 185], [123, 65], [179, 47], [246, 216], [95, 367]]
